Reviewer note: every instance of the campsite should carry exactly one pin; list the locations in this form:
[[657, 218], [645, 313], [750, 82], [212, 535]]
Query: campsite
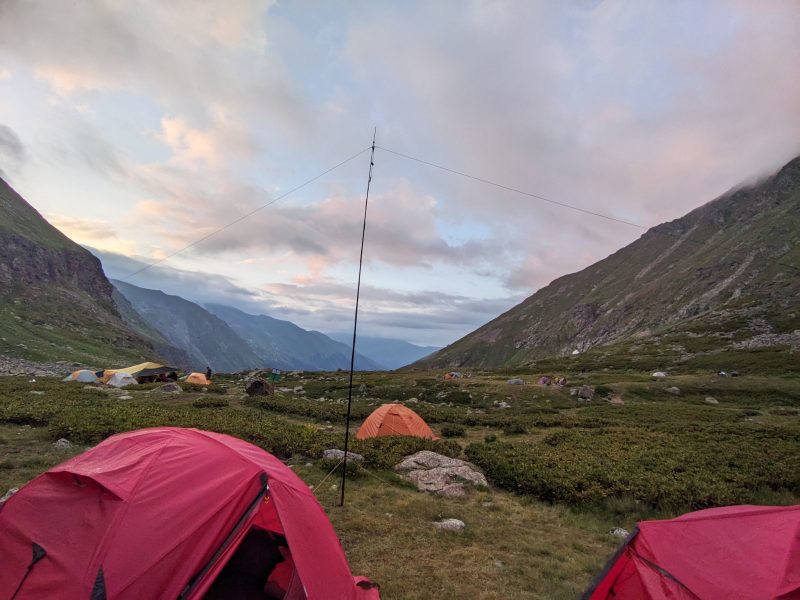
[[565, 473]]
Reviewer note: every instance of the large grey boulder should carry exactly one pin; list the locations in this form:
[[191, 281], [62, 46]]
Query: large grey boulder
[[450, 525], [336, 454], [62, 444], [585, 392], [439, 474]]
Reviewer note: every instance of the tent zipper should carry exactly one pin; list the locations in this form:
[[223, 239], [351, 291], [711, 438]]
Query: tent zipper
[[38, 554], [200, 575]]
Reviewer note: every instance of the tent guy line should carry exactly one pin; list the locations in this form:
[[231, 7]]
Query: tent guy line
[[245, 216], [550, 200]]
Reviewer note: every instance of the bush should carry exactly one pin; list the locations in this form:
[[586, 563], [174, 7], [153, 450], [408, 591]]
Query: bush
[[453, 430], [515, 429], [489, 439], [386, 452], [725, 465], [210, 402]]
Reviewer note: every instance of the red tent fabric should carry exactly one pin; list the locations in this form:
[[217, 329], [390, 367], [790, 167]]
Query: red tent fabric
[[726, 553], [157, 513]]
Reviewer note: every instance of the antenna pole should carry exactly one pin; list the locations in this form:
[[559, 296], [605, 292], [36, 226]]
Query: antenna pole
[[355, 319]]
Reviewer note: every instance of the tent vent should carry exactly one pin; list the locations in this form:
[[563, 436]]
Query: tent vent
[[99, 589]]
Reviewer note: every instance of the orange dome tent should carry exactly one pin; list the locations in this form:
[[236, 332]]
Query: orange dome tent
[[198, 378], [394, 419]]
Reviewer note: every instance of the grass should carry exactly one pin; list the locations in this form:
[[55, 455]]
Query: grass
[[563, 472]]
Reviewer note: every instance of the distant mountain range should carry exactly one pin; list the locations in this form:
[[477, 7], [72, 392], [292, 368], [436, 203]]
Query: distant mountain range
[[387, 352], [284, 345], [724, 277]]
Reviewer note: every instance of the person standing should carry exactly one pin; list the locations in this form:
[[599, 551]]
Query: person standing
[[208, 373]]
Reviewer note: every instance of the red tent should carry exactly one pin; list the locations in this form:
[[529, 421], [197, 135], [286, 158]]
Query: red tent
[[725, 553], [158, 513]]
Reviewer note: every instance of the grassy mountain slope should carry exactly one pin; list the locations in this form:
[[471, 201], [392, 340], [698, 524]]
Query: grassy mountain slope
[[724, 277], [55, 301], [284, 345], [207, 339]]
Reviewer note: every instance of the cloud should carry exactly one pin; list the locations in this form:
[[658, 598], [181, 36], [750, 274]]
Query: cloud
[[12, 150], [91, 232]]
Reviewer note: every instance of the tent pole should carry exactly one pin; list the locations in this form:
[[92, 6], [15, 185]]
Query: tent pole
[[355, 320]]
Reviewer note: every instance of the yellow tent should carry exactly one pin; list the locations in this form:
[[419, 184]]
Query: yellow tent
[[145, 369]]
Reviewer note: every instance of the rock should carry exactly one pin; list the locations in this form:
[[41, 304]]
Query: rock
[[585, 392], [298, 389], [673, 390], [169, 388], [502, 405], [515, 381], [620, 532], [336, 454], [62, 444], [711, 400], [573, 391], [616, 400], [125, 397], [449, 525], [412, 401], [260, 387], [36, 393], [659, 374], [438, 474], [8, 494]]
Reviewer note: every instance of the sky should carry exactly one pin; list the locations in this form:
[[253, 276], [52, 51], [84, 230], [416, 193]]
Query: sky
[[140, 128]]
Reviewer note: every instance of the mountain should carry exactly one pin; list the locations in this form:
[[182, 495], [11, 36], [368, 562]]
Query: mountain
[[725, 276], [206, 339], [55, 300], [284, 345], [389, 353]]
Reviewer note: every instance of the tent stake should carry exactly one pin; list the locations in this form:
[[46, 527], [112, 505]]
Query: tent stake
[[355, 320]]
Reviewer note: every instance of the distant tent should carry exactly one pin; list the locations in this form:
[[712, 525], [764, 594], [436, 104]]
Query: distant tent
[[453, 375], [171, 513], [82, 376], [199, 378], [731, 552], [147, 369], [121, 380], [394, 419]]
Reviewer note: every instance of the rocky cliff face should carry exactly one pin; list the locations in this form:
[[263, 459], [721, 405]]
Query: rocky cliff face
[[727, 271], [55, 300]]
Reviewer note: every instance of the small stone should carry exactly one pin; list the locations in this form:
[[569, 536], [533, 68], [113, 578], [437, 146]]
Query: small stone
[[309, 464], [711, 400], [586, 392], [675, 391], [126, 397], [62, 444], [37, 393], [336, 454], [620, 532], [659, 375], [450, 525], [412, 400], [616, 400], [8, 494]]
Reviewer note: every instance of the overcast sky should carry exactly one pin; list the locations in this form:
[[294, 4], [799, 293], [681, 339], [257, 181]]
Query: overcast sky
[[139, 127]]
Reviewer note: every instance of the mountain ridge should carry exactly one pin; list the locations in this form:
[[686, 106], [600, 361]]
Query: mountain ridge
[[727, 263]]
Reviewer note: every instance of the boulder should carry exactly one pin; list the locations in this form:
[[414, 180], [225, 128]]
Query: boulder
[[8, 494], [585, 392], [336, 454], [659, 375], [259, 387], [616, 400], [125, 397], [711, 400], [36, 393], [62, 444], [675, 391], [620, 532], [169, 388], [515, 381], [449, 525], [438, 474]]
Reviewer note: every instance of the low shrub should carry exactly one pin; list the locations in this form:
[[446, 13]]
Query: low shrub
[[210, 402], [453, 430], [515, 429]]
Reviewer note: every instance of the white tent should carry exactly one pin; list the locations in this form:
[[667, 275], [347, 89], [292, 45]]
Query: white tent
[[83, 375], [121, 380]]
